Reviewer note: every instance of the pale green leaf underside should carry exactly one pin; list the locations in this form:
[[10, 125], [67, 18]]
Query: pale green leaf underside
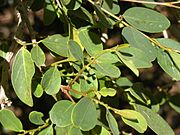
[[22, 73]]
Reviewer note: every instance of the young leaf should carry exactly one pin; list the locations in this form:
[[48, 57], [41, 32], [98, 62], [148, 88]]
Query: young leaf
[[108, 69], [90, 41], [38, 91], [47, 131], [60, 113], [22, 73], [123, 81], [36, 118], [146, 19], [51, 81], [128, 63], [10, 121], [155, 121], [57, 43], [38, 56], [133, 119], [74, 131], [167, 65], [84, 114], [112, 123], [76, 51], [136, 39], [107, 92]]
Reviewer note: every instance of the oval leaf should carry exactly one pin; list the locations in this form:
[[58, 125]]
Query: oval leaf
[[108, 69], [146, 19], [22, 73], [112, 123], [36, 118], [76, 50], [38, 56], [167, 65], [60, 114], [136, 39], [90, 41], [57, 44], [155, 121], [51, 81], [75, 131], [10, 121], [107, 92], [84, 114], [133, 119]]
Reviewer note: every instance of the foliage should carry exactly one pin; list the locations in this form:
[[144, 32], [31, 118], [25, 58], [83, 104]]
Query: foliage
[[87, 75]]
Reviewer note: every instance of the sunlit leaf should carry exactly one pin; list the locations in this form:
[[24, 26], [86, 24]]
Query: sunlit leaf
[[84, 114], [74, 131], [60, 114], [155, 121], [123, 81], [22, 73], [107, 92], [10, 121], [57, 43], [38, 56], [36, 118], [112, 123], [51, 81], [146, 19], [47, 131]]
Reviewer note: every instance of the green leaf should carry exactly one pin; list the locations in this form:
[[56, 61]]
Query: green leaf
[[10, 121], [76, 51], [123, 81], [137, 56], [150, 5], [107, 92], [75, 131], [76, 86], [110, 6], [104, 131], [51, 81], [169, 43], [174, 102], [107, 69], [62, 130], [66, 2], [60, 113], [38, 56], [128, 63], [74, 4], [22, 73], [38, 91], [146, 19], [133, 119], [167, 65], [57, 43], [176, 58], [47, 131], [102, 17], [90, 41], [136, 39], [107, 58], [112, 123], [49, 13], [84, 114], [155, 121], [36, 118]]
